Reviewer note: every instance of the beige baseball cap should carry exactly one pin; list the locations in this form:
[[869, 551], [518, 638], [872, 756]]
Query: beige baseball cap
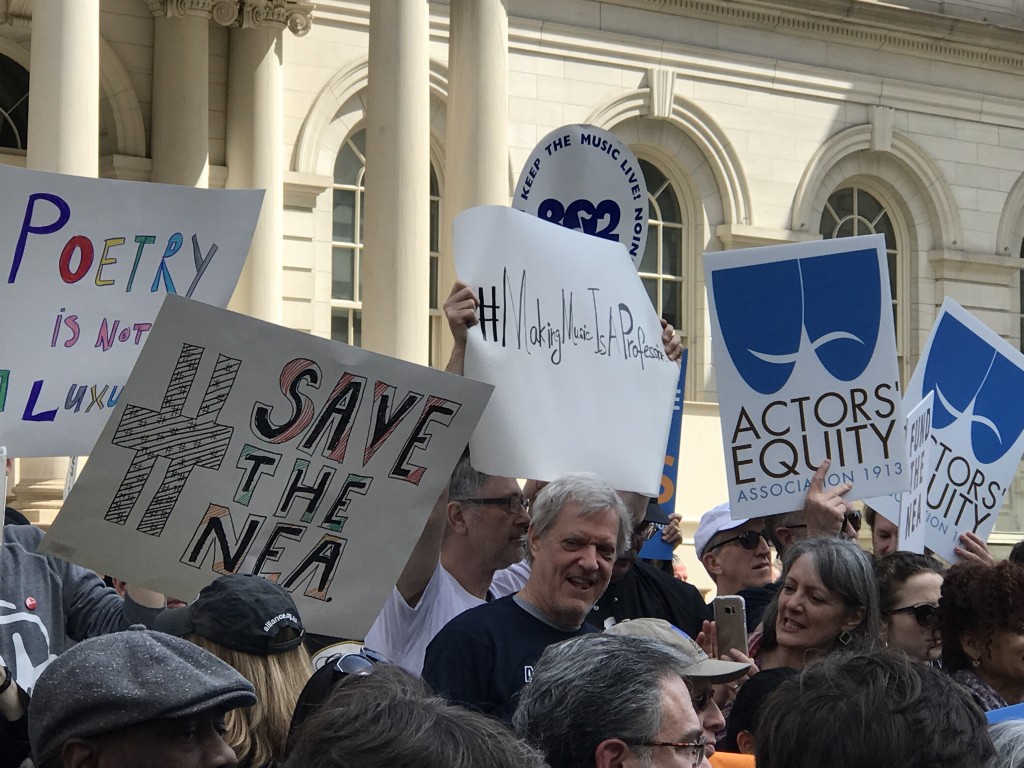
[[700, 666]]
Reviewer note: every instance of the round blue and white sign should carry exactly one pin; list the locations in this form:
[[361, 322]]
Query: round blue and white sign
[[587, 179]]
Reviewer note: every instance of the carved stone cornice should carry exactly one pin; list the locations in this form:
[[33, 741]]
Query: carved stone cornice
[[290, 14], [179, 8]]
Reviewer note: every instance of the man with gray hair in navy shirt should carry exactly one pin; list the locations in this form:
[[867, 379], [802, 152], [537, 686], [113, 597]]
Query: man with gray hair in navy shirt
[[484, 656]]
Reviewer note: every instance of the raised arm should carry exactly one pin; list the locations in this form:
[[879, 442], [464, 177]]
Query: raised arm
[[460, 309], [425, 555]]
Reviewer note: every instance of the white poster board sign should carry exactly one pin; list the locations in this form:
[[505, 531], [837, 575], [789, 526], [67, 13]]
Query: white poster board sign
[[977, 425], [911, 522], [587, 179], [244, 447], [84, 266], [569, 338], [805, 359]]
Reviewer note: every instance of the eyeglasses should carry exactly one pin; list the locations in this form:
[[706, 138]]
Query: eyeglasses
[[513, 504], [926, 614], [645, 531], [696, 748], [747, 540]]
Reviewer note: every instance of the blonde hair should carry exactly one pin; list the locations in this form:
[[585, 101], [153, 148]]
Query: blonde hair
[[258, 733]]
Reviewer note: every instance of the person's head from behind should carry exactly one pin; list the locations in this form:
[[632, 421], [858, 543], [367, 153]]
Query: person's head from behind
[[253, 625], [909, 586], [880, 710], [135, 698], [578, 529], [610, 700], [982, 616], [742, 731], [735, 553], [1008, 740], [390, 719], [487, 515], [884, 534], [827, 600]]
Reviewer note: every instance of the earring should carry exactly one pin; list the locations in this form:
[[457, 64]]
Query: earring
[[845, 637], [976, 662]]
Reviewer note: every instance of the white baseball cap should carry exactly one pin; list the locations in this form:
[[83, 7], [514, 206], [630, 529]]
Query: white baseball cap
[[715, 520]]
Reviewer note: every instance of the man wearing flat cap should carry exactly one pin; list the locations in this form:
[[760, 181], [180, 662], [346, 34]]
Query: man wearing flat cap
[[135, 699]]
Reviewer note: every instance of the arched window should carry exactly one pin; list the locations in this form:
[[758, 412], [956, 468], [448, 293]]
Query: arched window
[[347, 244], [13, 104], [661, 268], [855, 211]]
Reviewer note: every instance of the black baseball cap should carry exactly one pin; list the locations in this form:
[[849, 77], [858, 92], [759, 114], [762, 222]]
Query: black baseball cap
[[240, 611]]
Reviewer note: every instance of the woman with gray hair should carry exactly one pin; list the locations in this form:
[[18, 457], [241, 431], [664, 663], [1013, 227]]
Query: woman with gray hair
[[827, 600]]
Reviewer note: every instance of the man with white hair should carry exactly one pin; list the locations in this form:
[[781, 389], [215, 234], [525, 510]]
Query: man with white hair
[[484, 656]]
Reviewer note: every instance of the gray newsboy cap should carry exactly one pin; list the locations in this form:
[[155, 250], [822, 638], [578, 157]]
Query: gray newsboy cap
[[127, 678]]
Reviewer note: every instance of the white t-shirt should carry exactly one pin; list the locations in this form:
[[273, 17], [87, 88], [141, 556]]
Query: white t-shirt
[[402, 634]]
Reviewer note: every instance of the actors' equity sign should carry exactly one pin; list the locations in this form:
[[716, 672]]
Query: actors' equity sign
[[805, 358], [244, 447], [977, 425], [573, 346], [84, 267], [587, 179]]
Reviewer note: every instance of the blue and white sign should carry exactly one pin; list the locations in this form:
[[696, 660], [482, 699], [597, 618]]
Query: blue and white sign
[[805, 358], [657, 548], [585, 178], [977, 425]]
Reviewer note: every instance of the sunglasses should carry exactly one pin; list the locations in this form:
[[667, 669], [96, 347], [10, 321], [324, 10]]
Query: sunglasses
[[646, 530], [926, 614], [747, 540]]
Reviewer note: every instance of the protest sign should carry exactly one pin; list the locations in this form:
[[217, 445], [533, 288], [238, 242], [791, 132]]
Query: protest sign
[[977, 425], [587, 179], [573, 346], [86, 264], [805, 359], [244, 447], [911, 520], [657, 548]]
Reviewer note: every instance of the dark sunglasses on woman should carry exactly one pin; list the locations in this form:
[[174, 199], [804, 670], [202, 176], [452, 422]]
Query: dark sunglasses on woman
[[926, 614]]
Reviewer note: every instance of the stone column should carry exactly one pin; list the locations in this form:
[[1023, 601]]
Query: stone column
[[477, 121], [63, 136], [255, 135], [396, 245], [64, 107], [181, 92]]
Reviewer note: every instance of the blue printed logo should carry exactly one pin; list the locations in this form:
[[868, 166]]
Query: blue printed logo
[[971, 380], [764, 309]]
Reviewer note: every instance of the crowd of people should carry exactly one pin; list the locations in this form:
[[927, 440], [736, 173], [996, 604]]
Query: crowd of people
[[526, 631]]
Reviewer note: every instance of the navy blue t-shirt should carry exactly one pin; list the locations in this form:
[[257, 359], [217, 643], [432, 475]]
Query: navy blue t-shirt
[[484, 655]]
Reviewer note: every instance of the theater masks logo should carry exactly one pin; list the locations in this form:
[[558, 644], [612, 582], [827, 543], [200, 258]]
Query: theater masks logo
[[766, 311], [806, 370], [972, 381]]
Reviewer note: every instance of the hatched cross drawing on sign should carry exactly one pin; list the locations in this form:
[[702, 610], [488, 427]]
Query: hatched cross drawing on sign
[[187, 442], [768, 311]]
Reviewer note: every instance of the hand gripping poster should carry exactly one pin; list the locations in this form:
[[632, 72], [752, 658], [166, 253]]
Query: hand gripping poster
[[84, 267], [243, 447], [805, 360]]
